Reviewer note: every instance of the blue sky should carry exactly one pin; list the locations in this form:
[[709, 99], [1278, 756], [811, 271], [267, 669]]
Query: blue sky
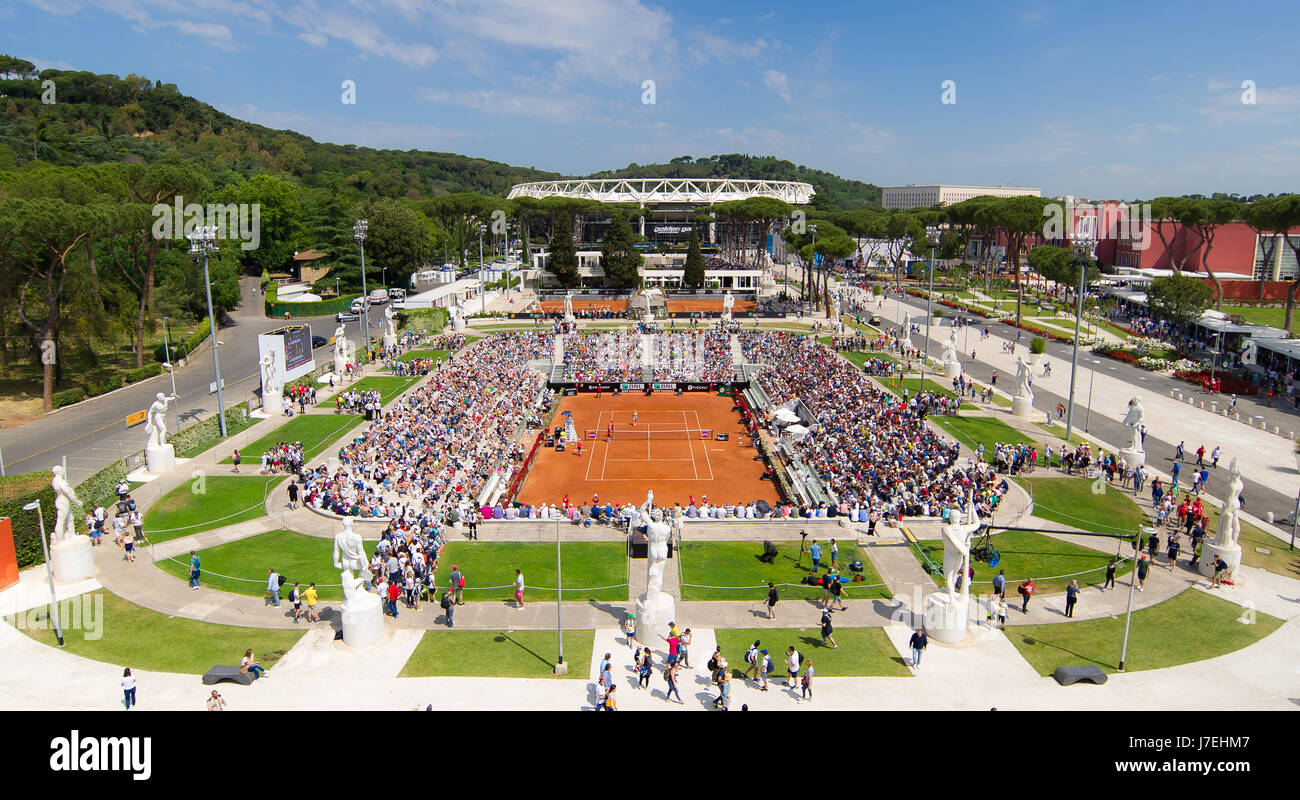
[[1098, 99]]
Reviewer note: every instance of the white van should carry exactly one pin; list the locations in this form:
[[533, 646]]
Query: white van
[[378, 297], [396, 294]]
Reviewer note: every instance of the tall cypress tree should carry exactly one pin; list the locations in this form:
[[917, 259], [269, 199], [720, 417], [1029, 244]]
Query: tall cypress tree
[[618, 256], [564, 256], [693, 274]]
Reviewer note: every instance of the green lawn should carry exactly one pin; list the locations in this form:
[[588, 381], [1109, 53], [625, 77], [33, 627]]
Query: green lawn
[[973, 431], [1265, 315], [142, 639], [231, 430], [315, 431], [388, 386], [735, 567], [296, 556], [1191, 626], [1070, 501], [498, 654], [1059, 432], [864, 652], [859, 359], [1032, 555], [202, 504], [433, 355], [587, 565]]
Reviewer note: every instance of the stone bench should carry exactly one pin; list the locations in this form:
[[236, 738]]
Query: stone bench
[[1067, 676], [221, 673]]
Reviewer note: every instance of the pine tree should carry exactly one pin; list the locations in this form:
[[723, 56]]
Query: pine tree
[[564, 256], [693, 275], [618, 255]]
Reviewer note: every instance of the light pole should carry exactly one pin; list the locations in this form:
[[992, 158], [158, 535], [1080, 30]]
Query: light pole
[[359, 233], [35, 505], [482, 276], [203, 242], [1132, 583], [1084, 246], [1218, 348], [931, 232], [560, 667]]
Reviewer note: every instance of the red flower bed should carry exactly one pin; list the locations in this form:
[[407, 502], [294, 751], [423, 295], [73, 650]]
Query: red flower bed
[[1118, 355], [1228, 383]]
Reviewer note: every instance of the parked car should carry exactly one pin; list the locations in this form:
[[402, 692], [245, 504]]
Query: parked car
[[396, 294], [378, 297], [318, 341], [358, 305], [347, 316]]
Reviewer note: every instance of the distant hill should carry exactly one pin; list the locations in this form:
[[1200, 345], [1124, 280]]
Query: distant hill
[[832, 190], [101, 118]]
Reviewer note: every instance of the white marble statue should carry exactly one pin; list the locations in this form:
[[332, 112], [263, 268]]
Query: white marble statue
[[568, 306], [349, 551], [270, 377], [727, 303], [1024, 378], [654, 608], [1134, 419], [155, 422], [65, 497], [956, 552], [1230, 516], [951, 360], [390, 326], [340, 342]]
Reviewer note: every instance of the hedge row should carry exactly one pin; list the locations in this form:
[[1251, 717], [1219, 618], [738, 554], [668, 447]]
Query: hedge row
[[430, 320], [69, 396], [308, 380], [182, 348], [203, 434], [274, 308], [77, 393], [17, 491]]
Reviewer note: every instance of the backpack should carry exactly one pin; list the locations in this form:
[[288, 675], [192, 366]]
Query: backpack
[[712, 665], [800, 657], [751, 656], [445, 602], [461, 585], [283, 580]]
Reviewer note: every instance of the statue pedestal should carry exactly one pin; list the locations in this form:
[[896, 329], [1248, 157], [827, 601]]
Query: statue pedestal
[[363, 620], [652, 616], [72, 560], [390, 341], [1022, 406], [459, 325], [340, 365], [952, 369], [945, 618], [159, 459], [1134, 458], [1231, 555]]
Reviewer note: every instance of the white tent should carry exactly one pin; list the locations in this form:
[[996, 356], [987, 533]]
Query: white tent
[[786, 415], [797, 431]]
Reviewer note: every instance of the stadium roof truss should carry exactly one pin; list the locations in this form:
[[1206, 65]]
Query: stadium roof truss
[[651, 191]]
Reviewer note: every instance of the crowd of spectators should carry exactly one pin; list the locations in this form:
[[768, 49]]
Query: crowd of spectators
[[444, 440], [595, 357], [283, 457], [868, 447], [703, 357]]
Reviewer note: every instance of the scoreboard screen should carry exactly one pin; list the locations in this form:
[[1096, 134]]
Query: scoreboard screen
[[297, 346]]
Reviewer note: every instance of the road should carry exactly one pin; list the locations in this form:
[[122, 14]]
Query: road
[[1261, 496], [93, 433]]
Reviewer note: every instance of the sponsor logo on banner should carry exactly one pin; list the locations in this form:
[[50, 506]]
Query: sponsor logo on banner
[[632, 387]]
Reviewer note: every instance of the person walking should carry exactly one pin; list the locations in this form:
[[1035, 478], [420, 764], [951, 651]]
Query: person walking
[[216, 702], [458, 584], [815, 552], [674, 645], [918, 643], [772, 597], [1002, 613], [724, 690], [835, 555], [293, 495], [1071, 597], [1143, 566], [753, 659], [644, 666], [670, 675], [765, 668], [295, 597], [194, 570], [793, 660], [234, 457], [311, 597], [836, 587], [273, 586], [471, 519], [684, 648], [519, 590], [807, 682], [128, 688], [610, 703], [1026, 590], [828, 630], [1000, 583], [1110, 573], [448, 607]]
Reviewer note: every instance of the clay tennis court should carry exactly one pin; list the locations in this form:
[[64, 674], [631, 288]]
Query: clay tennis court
[[553, 306], [682, 306], [663, 451]]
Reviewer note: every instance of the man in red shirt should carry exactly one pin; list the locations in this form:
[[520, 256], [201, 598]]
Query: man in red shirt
[[394, 591], [610, 431]]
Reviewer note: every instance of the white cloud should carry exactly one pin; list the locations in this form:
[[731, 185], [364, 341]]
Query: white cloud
[[710, 46], [216, 35], [346, 130], [314, 39], [558, 108], [778, 82]]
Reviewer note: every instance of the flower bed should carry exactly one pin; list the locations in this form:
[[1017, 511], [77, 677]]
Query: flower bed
[[1228, 383]]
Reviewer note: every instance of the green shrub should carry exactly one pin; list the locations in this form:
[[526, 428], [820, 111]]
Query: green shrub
[[274, 308], [308, 380], [1037, 345], [17, 491], [104, 386], [204, 433], [101, 488], [147, 371], [69, 396], [431, 320], [181, 348]]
